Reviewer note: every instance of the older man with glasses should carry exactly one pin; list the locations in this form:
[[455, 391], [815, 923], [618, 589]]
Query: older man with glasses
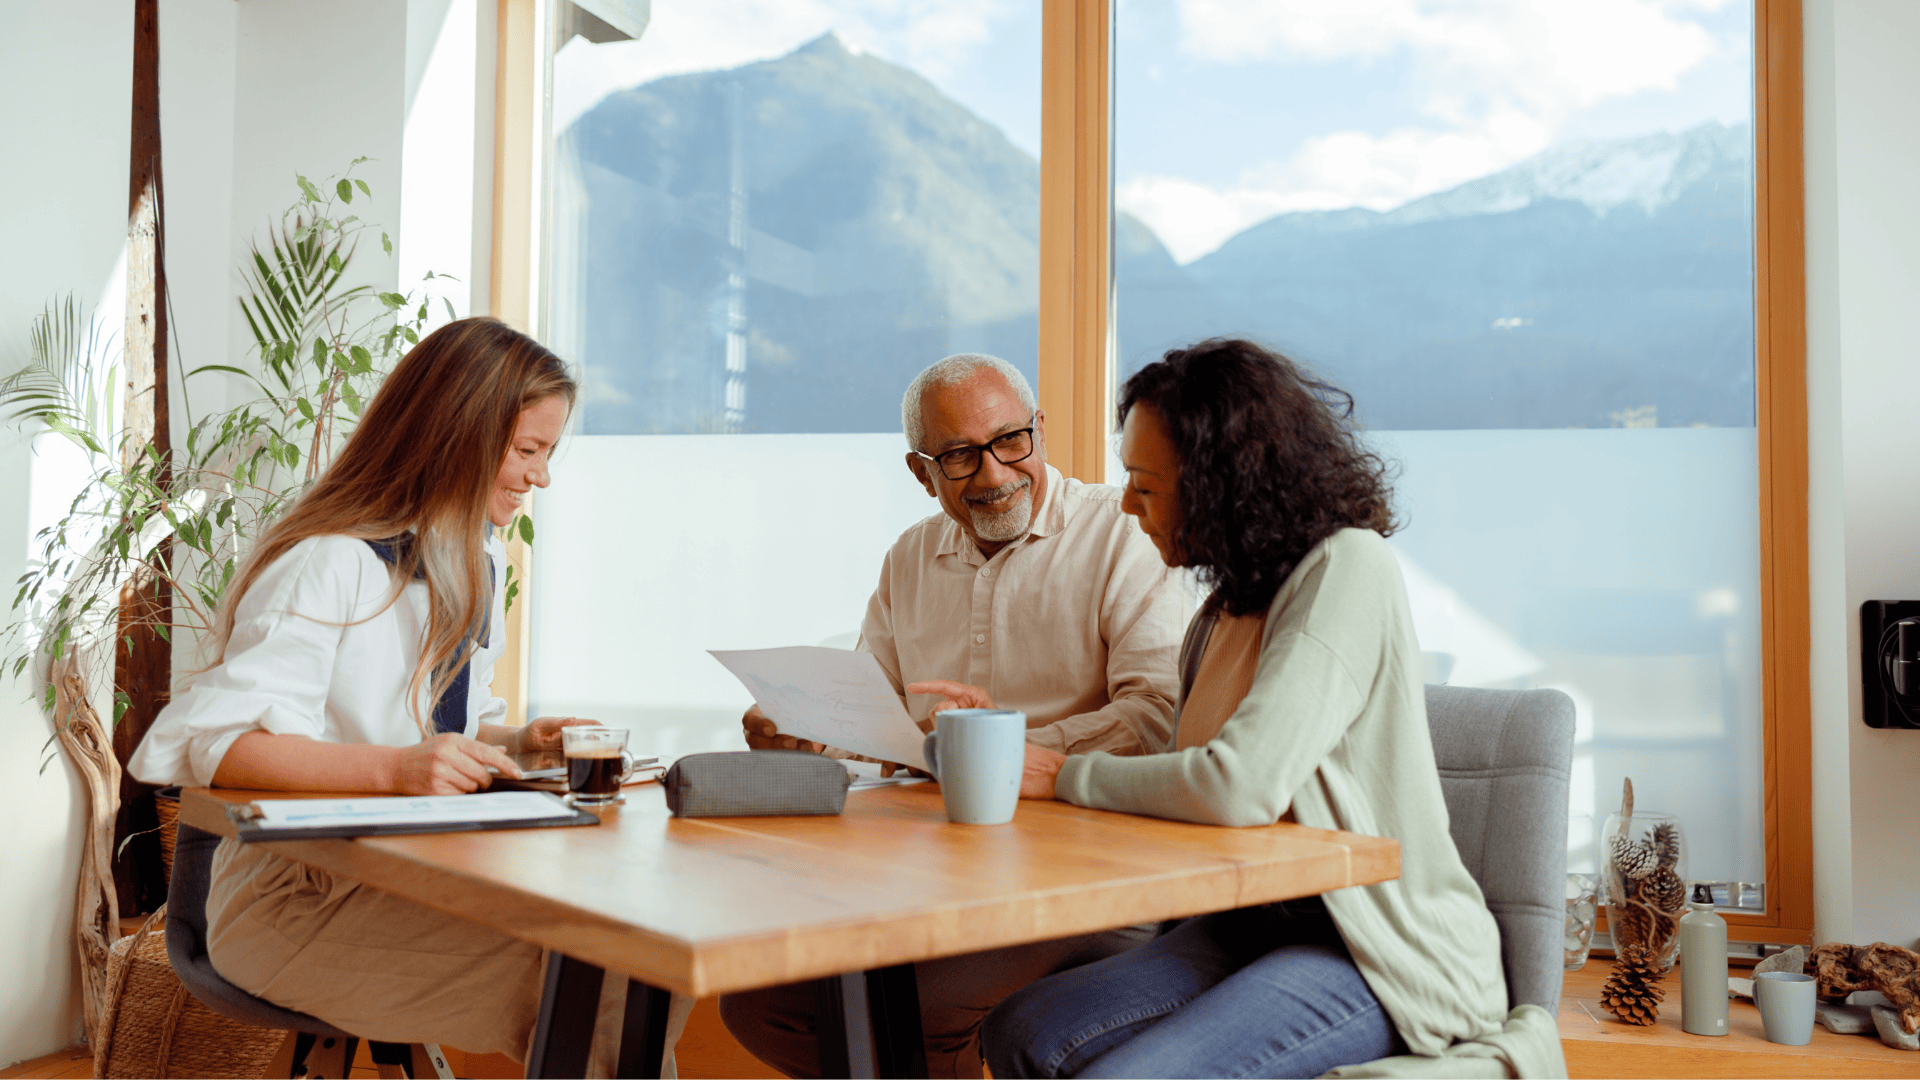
[[1032, 592]]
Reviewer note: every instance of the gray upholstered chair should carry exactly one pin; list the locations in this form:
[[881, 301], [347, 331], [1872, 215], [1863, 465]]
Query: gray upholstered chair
[[1504, 758], [318, 1048]]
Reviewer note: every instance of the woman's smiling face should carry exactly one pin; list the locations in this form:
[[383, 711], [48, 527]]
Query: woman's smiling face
[[525, 465], [1153, 479]]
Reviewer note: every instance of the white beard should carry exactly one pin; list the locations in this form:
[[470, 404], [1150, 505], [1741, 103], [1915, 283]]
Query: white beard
[[1009, 524]]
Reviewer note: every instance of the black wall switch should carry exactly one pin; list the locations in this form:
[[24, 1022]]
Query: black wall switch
[[1878, 707]]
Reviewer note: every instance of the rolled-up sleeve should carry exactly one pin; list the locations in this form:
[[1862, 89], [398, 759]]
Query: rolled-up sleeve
[[275, 673]]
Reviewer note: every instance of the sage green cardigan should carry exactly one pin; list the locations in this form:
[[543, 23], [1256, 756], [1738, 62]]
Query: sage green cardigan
[[1334, 728]]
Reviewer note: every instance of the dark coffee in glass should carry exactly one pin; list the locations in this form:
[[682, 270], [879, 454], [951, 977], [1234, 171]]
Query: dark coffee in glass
[[595, 772], [597, 763]]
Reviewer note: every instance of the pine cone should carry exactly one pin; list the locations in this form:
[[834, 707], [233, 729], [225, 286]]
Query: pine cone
[[1630, 923], [1663, 891], [1633, 990], [1666, 844], [1633, 859]]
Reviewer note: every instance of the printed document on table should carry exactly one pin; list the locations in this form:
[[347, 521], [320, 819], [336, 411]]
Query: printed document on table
[[839, 697], [491, 807]]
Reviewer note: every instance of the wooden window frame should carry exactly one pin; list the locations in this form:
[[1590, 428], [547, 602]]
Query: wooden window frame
[[1077, 354]]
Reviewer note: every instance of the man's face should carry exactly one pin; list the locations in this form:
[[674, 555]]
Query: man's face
[[995, 505]]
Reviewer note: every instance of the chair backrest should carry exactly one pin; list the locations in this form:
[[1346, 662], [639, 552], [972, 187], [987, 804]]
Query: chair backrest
[[1504, 758], [187, 943]]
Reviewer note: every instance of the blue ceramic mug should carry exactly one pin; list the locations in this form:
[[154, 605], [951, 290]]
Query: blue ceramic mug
[[978, 755]]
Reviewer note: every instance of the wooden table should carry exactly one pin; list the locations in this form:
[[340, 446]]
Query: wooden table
[[713, 905]]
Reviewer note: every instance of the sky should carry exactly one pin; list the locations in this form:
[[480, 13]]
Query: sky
[[1230, 111]]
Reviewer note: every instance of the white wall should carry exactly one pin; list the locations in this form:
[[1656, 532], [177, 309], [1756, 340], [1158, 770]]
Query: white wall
[[1863, 314], [253, 91], [65, 85]]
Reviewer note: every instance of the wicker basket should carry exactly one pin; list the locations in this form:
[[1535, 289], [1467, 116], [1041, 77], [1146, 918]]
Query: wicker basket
[[153, 1027]]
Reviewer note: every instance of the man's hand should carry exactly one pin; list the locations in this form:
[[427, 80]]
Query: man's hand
[[449, 764], [1037, 776], [763, 735], [544, 733], [953, 695]]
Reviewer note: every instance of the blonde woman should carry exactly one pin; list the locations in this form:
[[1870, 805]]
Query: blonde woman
[[354, 653]]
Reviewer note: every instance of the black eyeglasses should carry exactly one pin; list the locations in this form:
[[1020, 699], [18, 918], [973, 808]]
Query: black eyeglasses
[[962, 462]]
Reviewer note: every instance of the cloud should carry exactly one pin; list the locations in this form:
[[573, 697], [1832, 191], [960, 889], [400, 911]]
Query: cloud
[[1497, 79], [1329, 172], [1545, 54], [933, 37]]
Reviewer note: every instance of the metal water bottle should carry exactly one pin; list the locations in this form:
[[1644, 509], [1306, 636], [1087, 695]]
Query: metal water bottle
[[1703, 966]]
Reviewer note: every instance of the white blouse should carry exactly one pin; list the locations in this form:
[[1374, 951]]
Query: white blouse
[[313, 654]]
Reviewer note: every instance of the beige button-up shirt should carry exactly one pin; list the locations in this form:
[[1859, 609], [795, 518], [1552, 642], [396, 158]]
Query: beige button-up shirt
[[1078, 625]]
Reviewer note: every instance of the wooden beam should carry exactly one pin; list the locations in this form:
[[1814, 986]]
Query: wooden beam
[[516, 120], [143, 655], [1780, 379], [1076, 214]]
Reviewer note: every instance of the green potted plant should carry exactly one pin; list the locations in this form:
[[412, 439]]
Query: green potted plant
[[189, 516]]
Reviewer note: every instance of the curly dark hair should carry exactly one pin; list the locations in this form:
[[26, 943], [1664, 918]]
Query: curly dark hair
[[1271, 463]]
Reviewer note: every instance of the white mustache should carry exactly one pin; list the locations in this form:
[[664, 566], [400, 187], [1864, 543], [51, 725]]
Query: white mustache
[[1004, 491]]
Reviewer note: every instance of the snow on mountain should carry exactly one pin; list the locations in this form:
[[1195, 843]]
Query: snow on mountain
[[1648, 171]]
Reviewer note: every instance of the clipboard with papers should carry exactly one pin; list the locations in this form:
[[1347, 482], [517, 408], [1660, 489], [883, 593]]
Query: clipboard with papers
[[395, 815]]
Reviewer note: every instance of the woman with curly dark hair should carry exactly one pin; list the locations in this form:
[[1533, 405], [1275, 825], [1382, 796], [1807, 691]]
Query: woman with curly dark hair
[[1301, 700]]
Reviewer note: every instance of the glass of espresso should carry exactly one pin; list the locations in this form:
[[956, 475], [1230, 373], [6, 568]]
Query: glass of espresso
[[597, 763]]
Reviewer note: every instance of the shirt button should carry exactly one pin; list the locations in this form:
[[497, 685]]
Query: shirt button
[[979, 639], [986, 573]]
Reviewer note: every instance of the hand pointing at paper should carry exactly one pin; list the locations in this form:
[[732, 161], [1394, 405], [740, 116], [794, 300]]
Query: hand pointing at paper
[[1043, 765], [953, 695]]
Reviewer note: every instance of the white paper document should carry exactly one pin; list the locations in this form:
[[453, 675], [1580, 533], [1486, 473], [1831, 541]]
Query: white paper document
[[839, 697], [491, 806]]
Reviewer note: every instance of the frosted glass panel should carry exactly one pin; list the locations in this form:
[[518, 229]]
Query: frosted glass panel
[[654, 549], [1521, 235]]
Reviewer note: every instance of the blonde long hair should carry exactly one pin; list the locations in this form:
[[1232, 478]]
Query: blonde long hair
[[424, 460]]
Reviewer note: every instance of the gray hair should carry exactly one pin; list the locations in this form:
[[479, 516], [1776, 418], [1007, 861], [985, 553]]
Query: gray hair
[[953, 371]]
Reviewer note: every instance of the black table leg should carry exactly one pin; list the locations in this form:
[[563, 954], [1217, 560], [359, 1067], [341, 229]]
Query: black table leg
[[868, 1024], [569, 1004], [643, 1034]]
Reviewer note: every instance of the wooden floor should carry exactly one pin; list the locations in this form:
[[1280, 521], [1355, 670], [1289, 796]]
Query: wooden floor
[[706, 1052], [1597, 1045]]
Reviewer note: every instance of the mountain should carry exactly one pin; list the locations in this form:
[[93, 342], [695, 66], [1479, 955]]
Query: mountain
[[1592, 282], [880, 226], [780, 246]]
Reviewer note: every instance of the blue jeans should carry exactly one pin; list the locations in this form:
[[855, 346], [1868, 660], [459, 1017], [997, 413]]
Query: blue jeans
[[1266, 991]]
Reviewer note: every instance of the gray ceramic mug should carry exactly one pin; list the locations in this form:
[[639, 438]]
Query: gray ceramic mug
[[978, 755], [1786, 1006]]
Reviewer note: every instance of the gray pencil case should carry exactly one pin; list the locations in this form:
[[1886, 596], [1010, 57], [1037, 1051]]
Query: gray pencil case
[[756, 783]]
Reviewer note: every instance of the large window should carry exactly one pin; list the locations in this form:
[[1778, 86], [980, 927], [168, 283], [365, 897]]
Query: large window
[[1527, 237], [1522, 236], [764, 220]]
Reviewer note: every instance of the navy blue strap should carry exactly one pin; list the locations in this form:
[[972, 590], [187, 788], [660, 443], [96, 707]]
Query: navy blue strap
[[450, 711]]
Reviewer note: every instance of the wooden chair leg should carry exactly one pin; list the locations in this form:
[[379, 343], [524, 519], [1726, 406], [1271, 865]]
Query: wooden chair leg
[[429, 1063], [331, 1058], [281, 1067]]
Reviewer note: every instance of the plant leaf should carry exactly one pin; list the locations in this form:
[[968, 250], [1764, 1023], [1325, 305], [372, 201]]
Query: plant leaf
[[346, 191]]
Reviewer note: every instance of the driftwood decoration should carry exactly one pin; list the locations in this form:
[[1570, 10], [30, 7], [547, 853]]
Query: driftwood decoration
[[96, 908], [1887, 969]]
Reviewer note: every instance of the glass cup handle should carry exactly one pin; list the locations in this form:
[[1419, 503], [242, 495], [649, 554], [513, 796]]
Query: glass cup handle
[[627, 767]]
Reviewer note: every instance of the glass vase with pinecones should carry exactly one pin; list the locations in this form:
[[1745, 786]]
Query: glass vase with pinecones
[[1644, 858]]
